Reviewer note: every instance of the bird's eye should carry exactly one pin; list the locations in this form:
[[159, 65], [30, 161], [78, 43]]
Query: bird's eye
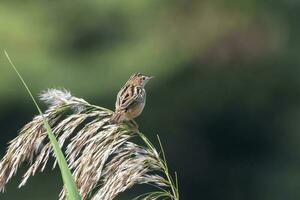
[[144, 78]]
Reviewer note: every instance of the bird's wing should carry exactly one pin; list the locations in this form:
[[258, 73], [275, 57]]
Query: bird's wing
[[127, 96]]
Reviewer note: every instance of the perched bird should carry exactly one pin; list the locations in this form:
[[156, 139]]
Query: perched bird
[[131, 99]]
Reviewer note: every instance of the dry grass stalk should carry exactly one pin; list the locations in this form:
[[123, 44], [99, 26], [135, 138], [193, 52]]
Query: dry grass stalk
[[102, 157]]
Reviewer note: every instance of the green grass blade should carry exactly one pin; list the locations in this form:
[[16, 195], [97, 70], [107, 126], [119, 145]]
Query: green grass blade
[[71, 189]]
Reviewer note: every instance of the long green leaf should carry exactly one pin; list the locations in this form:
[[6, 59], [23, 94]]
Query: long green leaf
[[72, 192]]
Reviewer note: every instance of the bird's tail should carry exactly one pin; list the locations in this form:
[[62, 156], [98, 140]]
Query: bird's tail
[[117, 118]]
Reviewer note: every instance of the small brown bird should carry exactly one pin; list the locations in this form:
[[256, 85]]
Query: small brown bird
[[131, 99]]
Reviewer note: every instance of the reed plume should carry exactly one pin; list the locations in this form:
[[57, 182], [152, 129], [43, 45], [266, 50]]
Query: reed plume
[[103, 157]]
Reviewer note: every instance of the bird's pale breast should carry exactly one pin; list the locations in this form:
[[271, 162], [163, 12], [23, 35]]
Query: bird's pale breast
[[135, 110]]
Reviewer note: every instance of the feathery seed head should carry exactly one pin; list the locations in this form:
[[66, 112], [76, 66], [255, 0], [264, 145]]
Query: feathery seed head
[[103, 159]]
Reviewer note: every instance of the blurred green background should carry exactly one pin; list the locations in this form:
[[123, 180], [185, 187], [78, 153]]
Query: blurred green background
[[225, 100]]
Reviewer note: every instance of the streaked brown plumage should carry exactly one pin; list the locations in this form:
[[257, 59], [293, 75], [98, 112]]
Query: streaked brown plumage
[[131, 98]]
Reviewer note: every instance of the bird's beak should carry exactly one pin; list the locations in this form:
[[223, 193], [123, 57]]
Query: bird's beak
[[150, 77]]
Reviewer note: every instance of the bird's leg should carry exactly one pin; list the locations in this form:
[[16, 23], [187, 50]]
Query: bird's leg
[[134, 124]]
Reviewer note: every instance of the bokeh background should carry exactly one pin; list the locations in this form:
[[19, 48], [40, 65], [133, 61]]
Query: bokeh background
[[225, 100]]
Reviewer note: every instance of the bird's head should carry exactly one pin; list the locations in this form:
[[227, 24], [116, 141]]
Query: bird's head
[[139, 79]]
